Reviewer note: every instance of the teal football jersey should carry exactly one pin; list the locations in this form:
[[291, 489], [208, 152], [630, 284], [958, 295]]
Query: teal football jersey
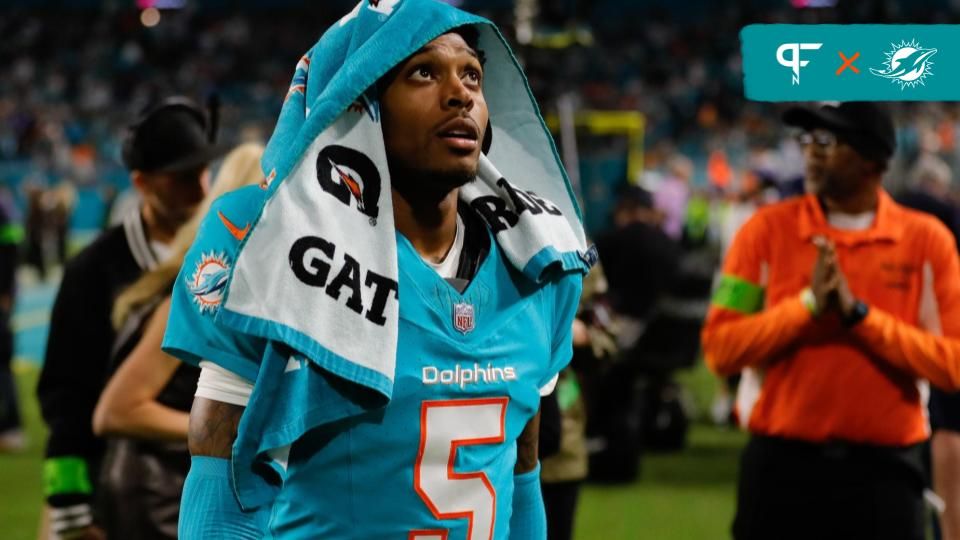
[[192, 334], [434, 462]]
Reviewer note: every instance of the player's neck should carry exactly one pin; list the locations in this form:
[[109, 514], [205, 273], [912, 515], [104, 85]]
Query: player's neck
[[154, 229], [431, 226], [856, 203]]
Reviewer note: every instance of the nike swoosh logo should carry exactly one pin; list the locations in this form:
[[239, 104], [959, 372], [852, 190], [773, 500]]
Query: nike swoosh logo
[[237, 232]]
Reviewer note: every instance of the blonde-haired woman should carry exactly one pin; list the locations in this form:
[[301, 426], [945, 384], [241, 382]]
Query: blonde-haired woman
[[144, 409]]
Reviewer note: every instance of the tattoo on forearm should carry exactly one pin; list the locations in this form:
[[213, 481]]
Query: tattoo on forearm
[[527, 445], [213, 427]]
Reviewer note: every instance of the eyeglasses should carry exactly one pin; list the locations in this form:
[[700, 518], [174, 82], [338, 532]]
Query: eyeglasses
[[821, 138]]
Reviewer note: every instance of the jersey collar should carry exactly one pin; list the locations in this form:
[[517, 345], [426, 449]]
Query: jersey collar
[[886, 227]]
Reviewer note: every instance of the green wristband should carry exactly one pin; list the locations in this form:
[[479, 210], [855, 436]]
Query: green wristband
[[66, 475], [11, 234]]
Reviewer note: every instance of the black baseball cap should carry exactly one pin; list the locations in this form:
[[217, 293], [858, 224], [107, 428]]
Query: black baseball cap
[[174, 137], [864, 125], [631, 196]]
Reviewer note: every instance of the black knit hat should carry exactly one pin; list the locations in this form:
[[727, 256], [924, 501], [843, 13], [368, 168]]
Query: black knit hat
[[864, 125], [174, 136]]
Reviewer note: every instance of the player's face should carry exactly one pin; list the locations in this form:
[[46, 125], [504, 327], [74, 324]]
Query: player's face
[[833, 168], [173, 197], [434, 115]]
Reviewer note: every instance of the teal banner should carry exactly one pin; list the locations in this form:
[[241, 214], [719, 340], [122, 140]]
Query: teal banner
[[857, 62]]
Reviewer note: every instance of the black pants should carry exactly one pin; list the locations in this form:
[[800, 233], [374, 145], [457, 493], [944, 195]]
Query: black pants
[[9, 410], [795, 490], [33, 256], [560, 500]]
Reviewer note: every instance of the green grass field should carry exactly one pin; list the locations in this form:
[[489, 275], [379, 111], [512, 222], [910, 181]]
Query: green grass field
[[684, 496], [20, 497]]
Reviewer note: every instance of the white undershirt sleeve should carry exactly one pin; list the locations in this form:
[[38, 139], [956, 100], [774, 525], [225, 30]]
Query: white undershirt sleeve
[[219, 384], [548, 388]]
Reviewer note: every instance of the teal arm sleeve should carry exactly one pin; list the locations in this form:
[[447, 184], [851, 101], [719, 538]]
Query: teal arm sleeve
[[529, 519], [209, 510]]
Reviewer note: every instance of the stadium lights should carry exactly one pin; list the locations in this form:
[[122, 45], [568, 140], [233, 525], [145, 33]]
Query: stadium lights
[[150, 17]]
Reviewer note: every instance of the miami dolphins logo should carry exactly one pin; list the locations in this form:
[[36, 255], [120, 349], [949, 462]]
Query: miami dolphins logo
[[209, 280], [363, 104], [907, 64], [383, 6]]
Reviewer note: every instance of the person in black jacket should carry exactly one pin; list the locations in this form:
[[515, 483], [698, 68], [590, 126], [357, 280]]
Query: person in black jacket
[[144, 410], [640, 263], [11, 431], [167, 150]]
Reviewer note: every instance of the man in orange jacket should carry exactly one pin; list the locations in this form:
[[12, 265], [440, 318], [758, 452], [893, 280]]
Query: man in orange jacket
[[837, 307]]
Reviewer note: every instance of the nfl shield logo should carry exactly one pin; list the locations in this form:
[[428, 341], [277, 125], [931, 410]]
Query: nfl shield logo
[[463, 319]]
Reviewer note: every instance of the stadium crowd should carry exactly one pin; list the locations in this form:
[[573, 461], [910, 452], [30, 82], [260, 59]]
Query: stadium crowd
[[74, 81]]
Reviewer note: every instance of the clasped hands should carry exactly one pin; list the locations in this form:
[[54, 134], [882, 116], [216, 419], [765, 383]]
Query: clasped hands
[[831, 293]]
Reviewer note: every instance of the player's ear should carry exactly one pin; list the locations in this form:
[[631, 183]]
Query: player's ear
[[875, 167], [138, 179]]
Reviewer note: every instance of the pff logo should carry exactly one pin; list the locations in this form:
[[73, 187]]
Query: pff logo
[[794, 62]]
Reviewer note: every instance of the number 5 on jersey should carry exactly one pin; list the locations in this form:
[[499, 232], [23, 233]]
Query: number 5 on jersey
[[445, 426]]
